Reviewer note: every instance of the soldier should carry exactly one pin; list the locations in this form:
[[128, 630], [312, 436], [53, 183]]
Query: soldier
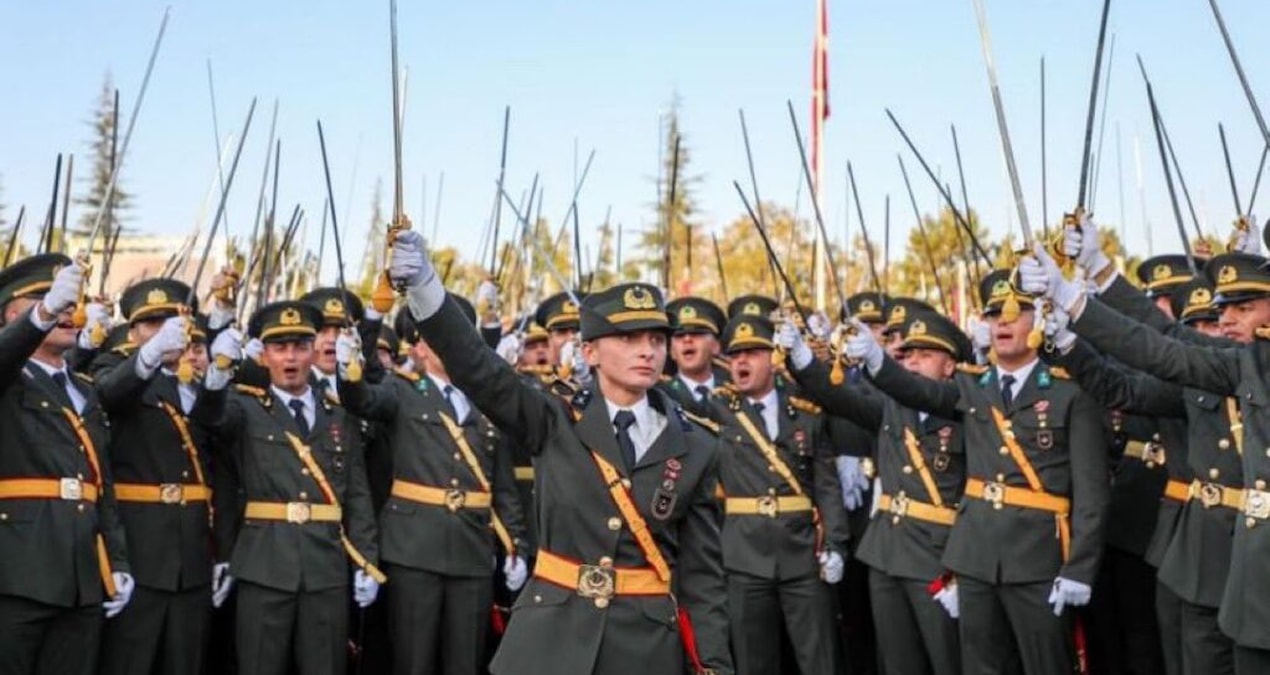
[[559, 315], [897, 311], [163, 485], [387, 348], [922, 465], [453, 507], [1242, 284], [307, 506], [1028, 535], [784, 529], [339, 308], [626, 490], [65, 556], [752, 305], [694, 344]]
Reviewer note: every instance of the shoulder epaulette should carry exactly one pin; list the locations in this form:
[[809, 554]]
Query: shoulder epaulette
[[540, 371], [971, 368], [703, 422], [805, 405], [406, 375], [85, 378], [124, 349], [725, 391], [250, 390], [1059, 373]]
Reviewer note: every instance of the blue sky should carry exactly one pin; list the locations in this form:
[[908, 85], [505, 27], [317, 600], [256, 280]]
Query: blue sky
[[601, 73]]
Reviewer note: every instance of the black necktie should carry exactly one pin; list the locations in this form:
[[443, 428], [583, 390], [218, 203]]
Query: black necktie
[[703, 392], [623, 420], [1007, 391], [59, 378], [759, 407], [449, 399], [297, 407]]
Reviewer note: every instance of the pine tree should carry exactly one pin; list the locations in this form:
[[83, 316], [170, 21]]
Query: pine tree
[[372, 256], [102, 146], [666, 245]]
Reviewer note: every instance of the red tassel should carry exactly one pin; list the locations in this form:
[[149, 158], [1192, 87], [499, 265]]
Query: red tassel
[[1082, 652], [689, 636], [497, 621], [939, 583]]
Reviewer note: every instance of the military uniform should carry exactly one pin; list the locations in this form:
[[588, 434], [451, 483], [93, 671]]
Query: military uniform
[[699, 316], [1237, 376], [307, 512], [921, 462], [596, 603], [163, 483], [438, 531], [60, 535], [783, 507], [1035, 501]]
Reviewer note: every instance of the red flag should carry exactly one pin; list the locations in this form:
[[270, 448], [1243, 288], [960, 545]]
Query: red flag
[[819, 87]]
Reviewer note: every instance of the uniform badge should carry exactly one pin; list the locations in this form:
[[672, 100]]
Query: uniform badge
[[663, 503], [1042, 408], [1043, 379], [800, 438], [941, 461], [336, 433], [1045, 439]]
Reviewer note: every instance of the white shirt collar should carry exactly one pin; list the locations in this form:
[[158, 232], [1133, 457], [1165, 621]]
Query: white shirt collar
[[642, 410], [770, 401], [306, 398], [51, 370], [692, 384], [1020, 375], [648, 424]]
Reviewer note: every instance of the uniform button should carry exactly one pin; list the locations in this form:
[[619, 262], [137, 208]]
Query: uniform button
[[1155, 437], [270, 437], [1000, 478], [615, 523], [185, 474], [304, 495], [537, 598], [454, 482], [44, 404], [425, 416], [606, 562], [886, 427], [1004, 450], [1224, 444], [4, 516], [457, 456], [972, 411], [738, 438], [1251, 523], [626, 483], [79, 507], [771, 468], [907, 469], [1200, 399], [771, 490], [601, 603], [1260, 484], [304, 472], [1213, 473], [79, 476]]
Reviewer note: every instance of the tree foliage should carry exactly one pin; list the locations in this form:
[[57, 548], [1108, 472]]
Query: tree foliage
[[102, 150]]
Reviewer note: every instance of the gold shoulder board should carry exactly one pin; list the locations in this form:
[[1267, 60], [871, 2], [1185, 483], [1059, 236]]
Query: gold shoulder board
[[805, 405]]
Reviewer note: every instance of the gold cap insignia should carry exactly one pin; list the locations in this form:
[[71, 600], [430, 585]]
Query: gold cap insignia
[[868, 306], [752, 309], [743, 331], [898, 314], [687, 312], [334, 306], [918, 328], [157, 297], [290, 317], [1227, 275], [1001, 288], [569, 307], [1161, 272], [1200, 297], [639, 298]]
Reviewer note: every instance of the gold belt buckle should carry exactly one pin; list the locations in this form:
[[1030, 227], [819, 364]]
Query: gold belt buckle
[[172, 493], [298, 512], [768, 506], [1210, 494], [598, 582], [71, 489], [454, 499], [899, 505], [995, 493], [1257, 504]]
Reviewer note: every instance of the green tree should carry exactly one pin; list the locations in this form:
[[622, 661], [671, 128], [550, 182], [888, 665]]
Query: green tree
[[670, 246], [372, 255], [103, 149]]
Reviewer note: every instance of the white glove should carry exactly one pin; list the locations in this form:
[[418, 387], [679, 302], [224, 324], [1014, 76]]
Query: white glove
[[348, 349], [947, 597], [123, 593], [229, 344], [1068, 593], [254, 349], [487, 297], [791, 340], [409, 264], [365, 589], [371, 313], [509, 348], [854, 482], [1249, 240], [1057, 330], [1083, 246], [98, 315], [516, 571], [864, 347], [980, 335], [222, 583], [170, 340], [831, 566], [818, 325], [571, 353], [1040, 275], [65, 290]]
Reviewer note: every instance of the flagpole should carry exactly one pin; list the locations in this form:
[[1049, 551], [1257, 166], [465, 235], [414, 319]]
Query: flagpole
[[819, 112]]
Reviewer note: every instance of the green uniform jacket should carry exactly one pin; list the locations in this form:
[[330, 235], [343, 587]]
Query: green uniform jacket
[[901, 547], [1238, 371], [553, 630], [406, 409], [279, 554], [1016, 545], [170, 545], [784, 547], [48, 547]]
